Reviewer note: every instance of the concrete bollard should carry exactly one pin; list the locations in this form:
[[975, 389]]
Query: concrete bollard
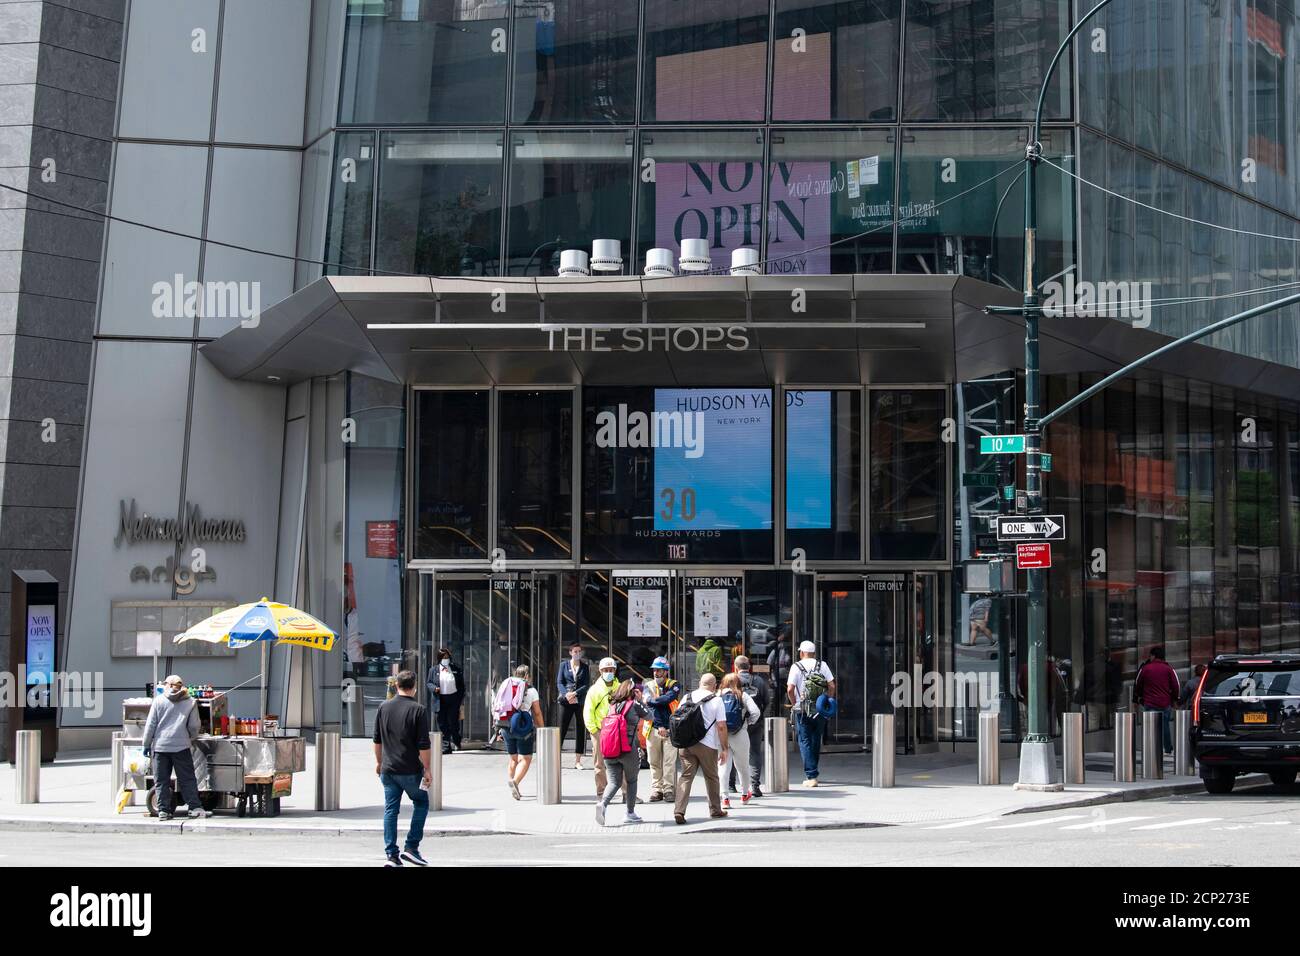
[[115, 767], [435, 770], [329, 759], [776, 755], [549, 789], [1125, 770], [27, 759], [1184, 762], [1075, 770], [1153, 755], [990, 754], [882, 750]]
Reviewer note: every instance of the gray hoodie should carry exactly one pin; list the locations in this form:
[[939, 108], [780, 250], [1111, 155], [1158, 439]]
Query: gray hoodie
[[173, 722]]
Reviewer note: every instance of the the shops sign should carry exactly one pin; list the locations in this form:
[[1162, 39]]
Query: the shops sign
[[190, 527]]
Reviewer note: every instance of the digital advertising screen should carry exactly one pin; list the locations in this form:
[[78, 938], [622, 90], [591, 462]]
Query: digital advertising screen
[[677, 474], [40, 644]]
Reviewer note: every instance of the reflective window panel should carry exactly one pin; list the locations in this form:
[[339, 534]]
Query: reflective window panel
[[906, 476], [347, 240], [575, 61], [425, 61], [830, 206], [451, 474], [566, 189], [535, 474], [822, 473], [842, 66], [705, 61], [440, 204]]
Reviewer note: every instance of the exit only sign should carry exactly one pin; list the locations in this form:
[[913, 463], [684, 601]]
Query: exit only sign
[[1033, 554]]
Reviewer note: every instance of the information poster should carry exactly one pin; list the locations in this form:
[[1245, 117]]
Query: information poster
[[644, 607], [710, 612], [40, 644]]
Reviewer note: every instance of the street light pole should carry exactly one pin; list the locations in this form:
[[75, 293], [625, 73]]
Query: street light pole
[[1037, 755]]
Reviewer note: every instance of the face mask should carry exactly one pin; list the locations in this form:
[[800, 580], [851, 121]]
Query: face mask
[[576, 655], [609, 678], [446, 662]]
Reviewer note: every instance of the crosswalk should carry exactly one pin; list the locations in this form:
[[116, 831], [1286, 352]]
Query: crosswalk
[[1100, 819]]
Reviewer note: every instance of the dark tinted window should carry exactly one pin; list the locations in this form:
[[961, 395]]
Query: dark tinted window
[[451, 474], [907, 474], [347, 243], [535, 465], [1240, 682]]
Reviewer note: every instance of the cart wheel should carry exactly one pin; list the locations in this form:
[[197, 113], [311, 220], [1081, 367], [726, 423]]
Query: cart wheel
[[151, 801], [241, 806], [275, 806]]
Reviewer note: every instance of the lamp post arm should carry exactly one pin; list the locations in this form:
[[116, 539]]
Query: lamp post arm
[[1051, 67]]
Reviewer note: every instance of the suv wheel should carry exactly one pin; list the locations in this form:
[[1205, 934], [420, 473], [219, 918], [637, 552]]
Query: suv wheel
[[1282, 778], [1219, 780]]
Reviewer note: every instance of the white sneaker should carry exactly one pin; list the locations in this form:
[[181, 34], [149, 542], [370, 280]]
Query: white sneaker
[[600, 814], [811, 782], [633, 818]]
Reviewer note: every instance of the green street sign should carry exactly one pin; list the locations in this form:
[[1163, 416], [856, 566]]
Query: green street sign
[[1045, 461], [1002, 444], [979, 480]]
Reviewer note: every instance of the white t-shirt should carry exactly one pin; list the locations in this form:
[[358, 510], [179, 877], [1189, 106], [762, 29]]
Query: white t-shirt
[[446, 680], [715, 714], [797, 675]]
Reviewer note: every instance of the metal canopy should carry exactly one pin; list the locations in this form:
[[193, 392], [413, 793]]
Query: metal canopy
[[869, 329]]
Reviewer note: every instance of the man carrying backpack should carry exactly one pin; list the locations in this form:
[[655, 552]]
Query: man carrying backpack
[[661, 697], [518, 709], [699, 732], [757, 688], [810, 688], [594, 709]]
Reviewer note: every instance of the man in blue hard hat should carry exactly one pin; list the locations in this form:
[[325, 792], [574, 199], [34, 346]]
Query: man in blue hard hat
[[661, 696]]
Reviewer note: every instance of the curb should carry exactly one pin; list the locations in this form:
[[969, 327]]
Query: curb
[[249, 829]]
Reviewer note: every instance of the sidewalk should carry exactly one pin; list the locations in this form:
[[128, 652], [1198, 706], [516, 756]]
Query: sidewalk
[[929, 788]]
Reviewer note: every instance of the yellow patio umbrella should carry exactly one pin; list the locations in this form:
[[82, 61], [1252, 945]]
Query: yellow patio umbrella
[[263, 620]]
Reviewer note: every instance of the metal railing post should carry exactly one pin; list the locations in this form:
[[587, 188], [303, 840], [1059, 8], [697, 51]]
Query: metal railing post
[[882, 750], [115, 767], [328, 770], [1075, 770], [548, 766], [435, 770], [1125, 772], [990, 756], [1184, 764], [1153, 755], [776, 755], [27, 759]]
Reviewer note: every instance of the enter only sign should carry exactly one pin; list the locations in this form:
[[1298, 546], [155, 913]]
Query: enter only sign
[[1034, 554]]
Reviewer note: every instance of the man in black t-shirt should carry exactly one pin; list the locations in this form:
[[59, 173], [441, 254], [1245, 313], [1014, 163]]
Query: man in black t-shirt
[[402, 763]]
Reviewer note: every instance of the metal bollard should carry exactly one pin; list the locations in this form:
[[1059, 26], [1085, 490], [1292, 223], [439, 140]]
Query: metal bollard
[[882, 750], [776, 755], [329, 760], [1075, 771], [1153, 755], [990, 756], [115, 767], [435, 770], [1125, 771], [27, 758], [548, 765], [1184, 764]]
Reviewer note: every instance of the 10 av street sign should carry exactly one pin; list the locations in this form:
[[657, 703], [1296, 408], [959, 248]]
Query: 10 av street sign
[[1036, 528], [1002, 444]]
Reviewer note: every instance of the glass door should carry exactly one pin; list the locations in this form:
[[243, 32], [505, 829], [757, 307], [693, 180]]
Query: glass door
[[888, 651], [460, 619], [641, 615], [711, 626]]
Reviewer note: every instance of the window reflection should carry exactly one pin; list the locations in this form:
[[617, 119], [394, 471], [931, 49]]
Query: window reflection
[[451, 474], [575, 61], [535, 465], [440, 204], [907, 481], [822, 473], [348, 240]]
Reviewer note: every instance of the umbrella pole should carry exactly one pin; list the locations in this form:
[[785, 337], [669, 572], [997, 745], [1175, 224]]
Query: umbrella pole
[[261, 693]]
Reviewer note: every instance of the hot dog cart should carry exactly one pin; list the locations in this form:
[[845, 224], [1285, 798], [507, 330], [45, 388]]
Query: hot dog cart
[[245, 773]]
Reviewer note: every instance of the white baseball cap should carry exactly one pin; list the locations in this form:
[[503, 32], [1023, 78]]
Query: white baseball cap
[[607, 662], [807, 647]]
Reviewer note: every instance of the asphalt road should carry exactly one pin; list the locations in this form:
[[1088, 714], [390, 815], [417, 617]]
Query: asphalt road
[[1255, 827]]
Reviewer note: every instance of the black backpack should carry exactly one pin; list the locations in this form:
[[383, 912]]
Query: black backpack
[[756, 687], [687, 727]]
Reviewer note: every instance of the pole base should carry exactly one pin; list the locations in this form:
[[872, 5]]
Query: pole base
[[1038, 767]]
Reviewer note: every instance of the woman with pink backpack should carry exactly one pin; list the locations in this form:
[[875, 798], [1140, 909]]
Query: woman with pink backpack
[[617, 744]]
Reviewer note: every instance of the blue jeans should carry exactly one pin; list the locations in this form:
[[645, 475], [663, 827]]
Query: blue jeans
[[1166, 724], [395, 784], [809, 731]]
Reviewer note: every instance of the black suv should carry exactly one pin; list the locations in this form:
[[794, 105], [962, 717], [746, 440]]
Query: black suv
[[1246, 719]]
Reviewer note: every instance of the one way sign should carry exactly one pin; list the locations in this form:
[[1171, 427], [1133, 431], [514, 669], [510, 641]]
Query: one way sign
[[1038, 528]]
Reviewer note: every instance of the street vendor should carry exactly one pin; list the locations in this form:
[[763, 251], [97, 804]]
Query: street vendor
[[169, 732]]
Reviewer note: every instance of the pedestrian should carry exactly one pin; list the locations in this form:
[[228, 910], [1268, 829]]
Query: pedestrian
[[1190, 685], [708, 659], [402, 763], [742, 713], [810, 688], [662, 696], [518, 712], [169, 733], [757, 688], [594, 708], [446, 686], [699, 731], [1157, 688], [617, 744], [573, 680]]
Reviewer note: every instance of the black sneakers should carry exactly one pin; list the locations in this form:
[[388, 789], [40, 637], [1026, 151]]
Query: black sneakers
[[394, 860], [413, 856]]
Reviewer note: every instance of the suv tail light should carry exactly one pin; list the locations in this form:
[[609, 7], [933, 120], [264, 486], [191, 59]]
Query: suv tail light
[[1196, 700]]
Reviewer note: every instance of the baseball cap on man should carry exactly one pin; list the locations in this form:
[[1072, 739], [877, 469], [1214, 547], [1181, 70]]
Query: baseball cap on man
[[607, 662], [807, 647]]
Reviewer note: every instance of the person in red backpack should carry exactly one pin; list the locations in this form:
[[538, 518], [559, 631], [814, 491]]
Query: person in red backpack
[[616, 742]]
